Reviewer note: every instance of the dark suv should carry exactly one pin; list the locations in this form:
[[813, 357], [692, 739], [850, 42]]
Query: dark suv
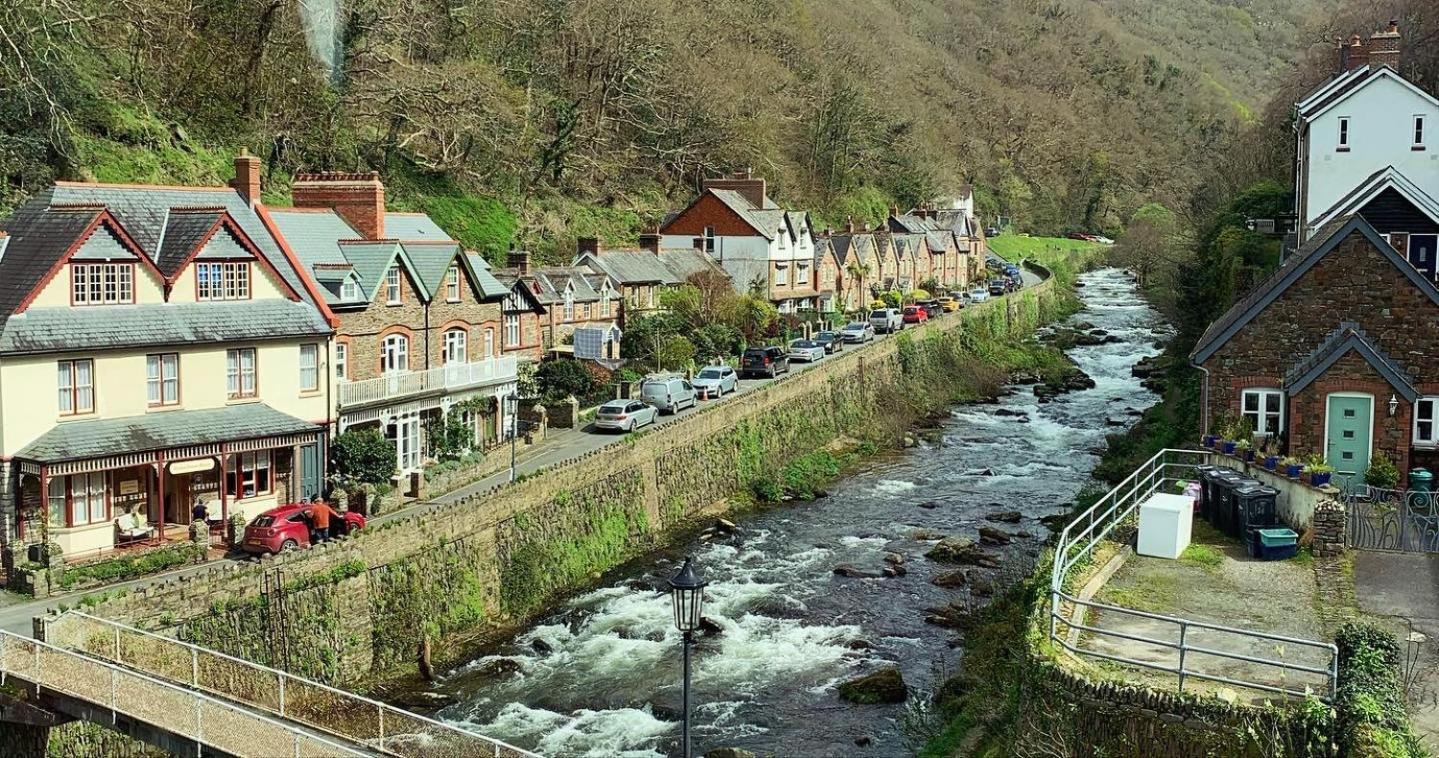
[[764, 361]]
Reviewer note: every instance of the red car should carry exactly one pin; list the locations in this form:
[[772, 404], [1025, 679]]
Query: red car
[[286, 528], [914, 314]]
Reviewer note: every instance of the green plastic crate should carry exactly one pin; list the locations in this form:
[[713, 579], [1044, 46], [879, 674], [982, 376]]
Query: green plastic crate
[[1277, 537]]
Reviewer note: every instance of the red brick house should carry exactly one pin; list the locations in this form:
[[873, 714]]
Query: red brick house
[[1335, 354], [572, 298]]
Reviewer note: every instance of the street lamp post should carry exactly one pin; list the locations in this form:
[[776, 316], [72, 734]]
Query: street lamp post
[[512, 408], [687, 594]]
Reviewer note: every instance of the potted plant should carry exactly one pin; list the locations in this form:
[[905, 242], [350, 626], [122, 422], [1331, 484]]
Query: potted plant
[[1319, 472], [1271, 461], [1292, 466], [1245, 449], [1382, 473], [1210, 440]]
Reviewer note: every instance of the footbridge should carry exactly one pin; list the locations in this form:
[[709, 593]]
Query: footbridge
[[192, 701]]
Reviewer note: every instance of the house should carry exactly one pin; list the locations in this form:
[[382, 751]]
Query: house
[[419, 318], [827, 275], [764, 248], [950, 238], [574, 298], [854, 252], [643, 273], [1334, 353], [1368, 121], [158, 348]]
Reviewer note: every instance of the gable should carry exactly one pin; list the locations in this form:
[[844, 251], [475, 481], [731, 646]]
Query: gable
[[1391, 212], [103, 245], [1383, 80], [708, 210]]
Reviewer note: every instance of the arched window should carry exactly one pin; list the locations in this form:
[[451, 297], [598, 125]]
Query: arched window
[[456, 346], [395, 354]]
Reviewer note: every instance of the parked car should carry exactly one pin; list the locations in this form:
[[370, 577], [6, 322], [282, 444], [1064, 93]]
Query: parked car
[[978, 295], [808, 351], [287, 527], [931, 307], [833, 341], [764, 361], [996, 287], [625, 415], [950, 304], [715, 381], [858, 332], [915, 314], [886, 320], [668, 393]]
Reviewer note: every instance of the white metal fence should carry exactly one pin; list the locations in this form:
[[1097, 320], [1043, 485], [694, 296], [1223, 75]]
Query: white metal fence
[[1193, 642], [317, 706]]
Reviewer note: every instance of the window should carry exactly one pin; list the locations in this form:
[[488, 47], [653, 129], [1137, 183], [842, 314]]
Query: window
[[569, 306], [781, 274], [587, 312], [102, 283], [249, 475], [55, 500], [392, 286], [342, 360], [76, 381], [1344, 133], [395, 354], [349, 290], [222, 280], [801, 273], [162, 379], [1426, 413], [512, 330], [87, 498], [456, 346], [605, 302], [489, 342], [309, 367], [709, 239], [1264, 410], [240, 372], [1419, 131], [452, 284]]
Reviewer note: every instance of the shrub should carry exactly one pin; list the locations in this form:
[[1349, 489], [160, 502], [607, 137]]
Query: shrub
[[559, 379], [677, 353], [130, 566], [363, 455], [722, 340], [1382, 472], [1370, 702]]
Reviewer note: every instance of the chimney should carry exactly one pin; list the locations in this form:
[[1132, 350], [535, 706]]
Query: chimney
[[589, 245], [650, 239], [1386, 48], [359, 198], [828, 232], [894, 211], [519, 260], [1358, 54], [849, 225], [750, 187], [247, 177]]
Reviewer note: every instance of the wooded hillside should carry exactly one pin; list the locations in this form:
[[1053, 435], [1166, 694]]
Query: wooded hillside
[[539, 120]]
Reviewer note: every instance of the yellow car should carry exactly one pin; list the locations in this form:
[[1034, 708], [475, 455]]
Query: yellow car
[[878, 305], [949, 304]]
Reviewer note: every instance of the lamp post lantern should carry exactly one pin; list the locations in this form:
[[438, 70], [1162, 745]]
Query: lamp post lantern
[[687, 594], [512, 409]]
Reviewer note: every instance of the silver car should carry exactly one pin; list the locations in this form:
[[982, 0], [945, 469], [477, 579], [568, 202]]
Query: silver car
[[858, 332], [805, 350], [625, 415], [669, 394], [715, 381]]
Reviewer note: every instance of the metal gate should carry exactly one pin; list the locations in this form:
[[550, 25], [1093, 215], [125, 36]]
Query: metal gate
[[1403, 520]]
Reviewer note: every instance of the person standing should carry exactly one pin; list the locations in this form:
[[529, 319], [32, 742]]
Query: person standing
[[323, 516]]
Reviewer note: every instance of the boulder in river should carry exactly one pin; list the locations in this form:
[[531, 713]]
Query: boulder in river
[[542, 647], [729, 752], [951, 579], [929, 505], [991, 536], [421, 700], [949, 616], [883, 686], [709, 627], [893, 571], [950, 549], [894, 559], [854, 572], [1007, 517], [979, 584], [926, 535]]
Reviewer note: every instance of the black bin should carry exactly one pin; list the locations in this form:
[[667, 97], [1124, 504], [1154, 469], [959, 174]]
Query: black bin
[[1209, 490], [1257, 508], [1226, 516], [1202, 474]]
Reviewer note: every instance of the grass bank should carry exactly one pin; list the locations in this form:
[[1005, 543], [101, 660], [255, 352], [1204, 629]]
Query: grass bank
[[1013, 247]]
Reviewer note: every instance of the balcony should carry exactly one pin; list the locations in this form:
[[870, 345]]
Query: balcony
[[451, 378]]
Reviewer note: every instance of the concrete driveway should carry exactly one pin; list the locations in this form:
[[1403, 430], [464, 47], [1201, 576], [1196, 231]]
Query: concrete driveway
[[1404, 588]]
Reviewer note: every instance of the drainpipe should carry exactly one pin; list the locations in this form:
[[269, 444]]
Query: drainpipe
[[1203, 400]]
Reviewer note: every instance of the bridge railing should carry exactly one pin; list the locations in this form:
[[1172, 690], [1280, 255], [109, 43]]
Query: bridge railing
[[318, 706], [212, 724]]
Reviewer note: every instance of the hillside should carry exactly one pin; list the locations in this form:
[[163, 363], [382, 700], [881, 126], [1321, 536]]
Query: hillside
[[534, 121]]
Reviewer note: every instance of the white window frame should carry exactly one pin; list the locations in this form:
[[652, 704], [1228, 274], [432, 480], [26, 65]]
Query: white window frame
[[222, 280], [162, 379], [349, 290], [88, 501], [396, 347], [393, 293], [512, 330], [801, 273], [456, 346], [76, 386], [569, 306], [241, 375], [310, 367], [781, 274], [1344, 133], [342, 361], [709, 235], [452, 284], [605, 301], [489, 342], [1432, 439], [102, 283], [1418, 131], [1260, 422]]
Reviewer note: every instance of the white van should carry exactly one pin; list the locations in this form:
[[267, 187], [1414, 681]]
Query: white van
[[668, 393]]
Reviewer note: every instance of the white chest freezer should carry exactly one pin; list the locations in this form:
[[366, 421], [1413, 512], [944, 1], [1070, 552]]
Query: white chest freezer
[[1165, 522]]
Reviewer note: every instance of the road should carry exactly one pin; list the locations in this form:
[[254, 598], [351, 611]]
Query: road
[[558, 445]]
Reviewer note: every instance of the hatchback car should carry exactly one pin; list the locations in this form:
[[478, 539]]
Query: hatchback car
[[625, 415], [714, 381], [764, 361], [915, 314], [833, 342], [858, 332], [669, 394], [931, 307], [978, 295], [287, 527], [950, 304], [808, 351]]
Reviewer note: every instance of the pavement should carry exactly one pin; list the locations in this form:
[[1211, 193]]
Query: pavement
[[559, 445], [1403, 588]]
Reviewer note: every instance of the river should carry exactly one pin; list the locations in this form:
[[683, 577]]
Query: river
[[607, 681]]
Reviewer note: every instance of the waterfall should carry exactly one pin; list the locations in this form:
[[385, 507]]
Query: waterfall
[[322, 19]]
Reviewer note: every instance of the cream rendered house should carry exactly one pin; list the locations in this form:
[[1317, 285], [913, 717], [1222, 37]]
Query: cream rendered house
[[157, 349]]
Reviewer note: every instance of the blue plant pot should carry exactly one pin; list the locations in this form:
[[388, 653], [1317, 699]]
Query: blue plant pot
[[1293, 471], [1210, 439], [1319, 480], [1229, 447], [1271, 462]]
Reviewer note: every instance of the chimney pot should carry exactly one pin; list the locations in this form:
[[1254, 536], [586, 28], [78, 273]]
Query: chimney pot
[[247, 177], [849, 225], [650, 240]]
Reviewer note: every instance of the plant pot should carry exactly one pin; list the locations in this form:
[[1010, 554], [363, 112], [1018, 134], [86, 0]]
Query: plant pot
[[1249, 456], [1320, 480], [1210, 440], [1293, 471], [1271, 462], [1229, 447]]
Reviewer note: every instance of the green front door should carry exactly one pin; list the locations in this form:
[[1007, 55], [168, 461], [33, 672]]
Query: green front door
[[1347, 437]]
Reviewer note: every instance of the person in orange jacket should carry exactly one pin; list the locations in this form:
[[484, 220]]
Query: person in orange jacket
[[321, 517]]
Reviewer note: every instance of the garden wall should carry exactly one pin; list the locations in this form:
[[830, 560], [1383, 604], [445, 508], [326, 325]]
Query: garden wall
[[360, 608]]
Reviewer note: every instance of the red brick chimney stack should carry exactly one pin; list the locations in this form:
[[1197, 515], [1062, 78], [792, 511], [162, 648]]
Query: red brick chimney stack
[[359, 198], [247, 177], [1386, 48], [591, 245], [650, 239], [749, 186], [519, 260]]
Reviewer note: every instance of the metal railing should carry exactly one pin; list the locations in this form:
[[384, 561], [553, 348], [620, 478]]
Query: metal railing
[[211, 723], [1117, 507], [453, 376], [1390, 519], [356, 718]]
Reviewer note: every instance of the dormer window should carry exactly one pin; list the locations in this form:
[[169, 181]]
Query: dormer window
[[222, 280], [569, 306], [349, 290], [1343, 133], [102, 283], [1418, 133]]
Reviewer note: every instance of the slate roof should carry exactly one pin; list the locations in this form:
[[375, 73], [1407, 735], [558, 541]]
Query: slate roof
[[858, 245], [744, 272], [1387, 178], [631, 267], [54, 330], [184, 231], [371, 259], [1321, 244], [685, 262], [78, 440], [1340, 87], [766, 221], [410, 227], [1349, 336]]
